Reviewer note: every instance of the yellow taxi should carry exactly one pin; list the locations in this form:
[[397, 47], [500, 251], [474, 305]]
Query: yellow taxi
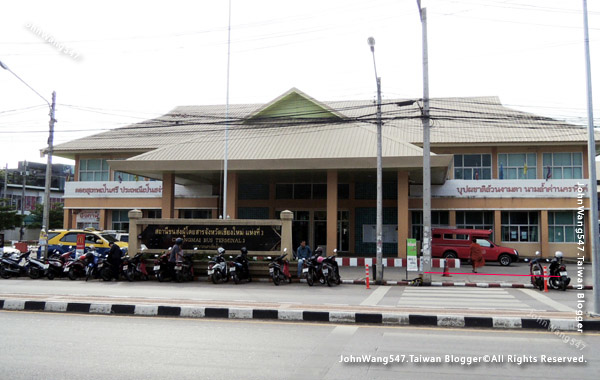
[[66, 240]]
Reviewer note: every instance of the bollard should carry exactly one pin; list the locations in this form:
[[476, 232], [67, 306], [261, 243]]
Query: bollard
[[545, 279], [446, 272], [367, 276]]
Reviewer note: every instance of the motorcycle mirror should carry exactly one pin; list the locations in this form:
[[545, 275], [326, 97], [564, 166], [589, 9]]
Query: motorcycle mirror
[[526, 260]]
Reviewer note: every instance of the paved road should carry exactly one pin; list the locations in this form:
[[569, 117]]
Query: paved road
[[63, 346], [296, 293]]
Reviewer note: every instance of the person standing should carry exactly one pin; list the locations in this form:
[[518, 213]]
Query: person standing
[[476, 255], [176, 255], [114, 258], [302, 253]]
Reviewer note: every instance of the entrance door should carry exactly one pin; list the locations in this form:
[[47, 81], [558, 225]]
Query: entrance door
[[300, 228], [320, 228]]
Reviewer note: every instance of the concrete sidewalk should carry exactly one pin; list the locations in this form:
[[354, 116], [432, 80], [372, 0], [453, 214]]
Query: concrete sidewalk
[[492, 275]]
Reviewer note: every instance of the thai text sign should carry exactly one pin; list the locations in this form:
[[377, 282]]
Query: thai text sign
[[230, 237], [523, 188], [130, 189], [411, 255]]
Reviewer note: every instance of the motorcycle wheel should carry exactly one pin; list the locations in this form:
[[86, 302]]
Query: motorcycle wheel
[[178, 276], [34, 272], [72, 274], [50, 275], [289, 280], [338, 279], [130, 274], [106, 274], [160, 276], [4, 273], [236, 279], [329, 280], [563, 285], [309, 278], [215, 277], [553, 283], [226, 278], [276, 278]]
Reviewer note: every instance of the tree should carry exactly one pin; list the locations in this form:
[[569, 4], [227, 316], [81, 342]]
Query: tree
[[9, 218], [56, 216]]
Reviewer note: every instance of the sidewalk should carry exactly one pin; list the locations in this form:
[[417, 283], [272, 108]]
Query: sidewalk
[[515, 275]]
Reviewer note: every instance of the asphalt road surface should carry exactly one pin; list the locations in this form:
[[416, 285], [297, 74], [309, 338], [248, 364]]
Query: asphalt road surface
[[71, 346]]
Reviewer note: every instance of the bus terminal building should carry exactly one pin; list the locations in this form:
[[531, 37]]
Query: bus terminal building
[[521, 175]]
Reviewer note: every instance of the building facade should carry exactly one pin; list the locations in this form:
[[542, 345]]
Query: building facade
[[521, 175]]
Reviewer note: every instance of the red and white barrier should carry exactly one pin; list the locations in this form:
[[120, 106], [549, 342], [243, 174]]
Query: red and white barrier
[[391, 262]]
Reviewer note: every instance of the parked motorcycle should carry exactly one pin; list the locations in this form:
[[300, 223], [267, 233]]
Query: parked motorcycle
[[136, 269], [279, 268], [36, 268], [14, 265], [56, 263], [95, 262], [311, 269], [162, 269], [239, 269], [330, 270], [559, 278], [536, 272], [76, 268], [218, 270], [108, 269], [184, 270]]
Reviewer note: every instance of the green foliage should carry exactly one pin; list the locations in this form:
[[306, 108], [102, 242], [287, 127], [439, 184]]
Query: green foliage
[[9, 218], [56, 216]]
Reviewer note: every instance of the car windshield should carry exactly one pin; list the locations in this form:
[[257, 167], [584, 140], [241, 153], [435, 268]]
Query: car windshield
[[109, 237]]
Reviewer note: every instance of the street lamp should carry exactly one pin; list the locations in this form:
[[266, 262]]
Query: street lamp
[[379, 218], [46, 216]]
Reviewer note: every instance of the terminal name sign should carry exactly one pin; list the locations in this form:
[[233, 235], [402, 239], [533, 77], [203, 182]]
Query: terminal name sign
[[255, 238], [523, 188]]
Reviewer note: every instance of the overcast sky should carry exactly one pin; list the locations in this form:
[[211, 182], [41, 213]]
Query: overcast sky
[[113, 63]]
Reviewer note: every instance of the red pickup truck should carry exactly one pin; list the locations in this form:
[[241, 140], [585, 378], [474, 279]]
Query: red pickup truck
[[456, 243]]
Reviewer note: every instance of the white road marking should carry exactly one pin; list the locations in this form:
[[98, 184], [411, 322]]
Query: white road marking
[[376, 296], [546, 300], [344, 330]]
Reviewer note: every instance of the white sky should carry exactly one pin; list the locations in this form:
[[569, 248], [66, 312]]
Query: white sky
[[140, 59]]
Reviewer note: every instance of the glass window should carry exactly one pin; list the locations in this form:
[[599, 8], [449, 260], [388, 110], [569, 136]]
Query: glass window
[[320, 191], [561, 226], [284, 191], [69, 238], [563, 165], [195, 214], [120, 176], [343, 191], [438, 219], [120, 220], [93, 170], [520, 226], [472, 166], [517, 165], [479, 220]]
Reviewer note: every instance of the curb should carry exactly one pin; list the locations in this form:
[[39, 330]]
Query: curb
[[462, 284], [388, 319]]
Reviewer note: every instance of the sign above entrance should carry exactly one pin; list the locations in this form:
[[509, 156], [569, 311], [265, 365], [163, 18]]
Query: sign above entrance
[[255, 238], [523, 188], [131, 189]]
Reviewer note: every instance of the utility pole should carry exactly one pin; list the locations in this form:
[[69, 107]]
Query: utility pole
[[225, 169], [46, 215], [5, 196], [593, 188], [426, 243], [24, 177], [379, 214]]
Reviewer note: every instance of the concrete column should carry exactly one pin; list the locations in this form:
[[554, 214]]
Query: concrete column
[[68, 219], [103, 222], [168, 196], [497, 226], [495, 166], [135, 229], [403, 213], [332, 208], [452, 218], [286, 232], [543, 234], [232, 195]]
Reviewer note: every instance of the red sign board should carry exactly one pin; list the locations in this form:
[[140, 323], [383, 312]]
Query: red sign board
[[80, 245]]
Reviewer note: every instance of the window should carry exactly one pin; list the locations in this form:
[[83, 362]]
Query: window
[[563, 165], [479, 220], [301, 191], [93, 170], [438, 219], [195, 214], [120, 176], [253, 191], [154, 214], [69, 238], [520, 226], [517, 165], [343, 191], [561, 226], [120, 220], [472, 166]]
